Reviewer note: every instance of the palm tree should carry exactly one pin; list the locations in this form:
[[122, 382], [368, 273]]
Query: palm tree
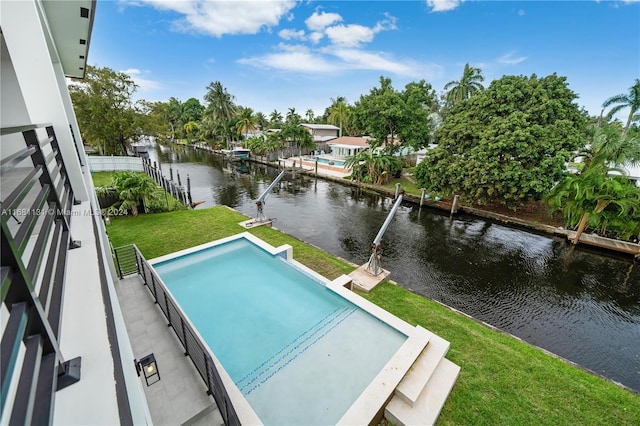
[[592, 197], [220, 106], [275, 119], [310, 115], [630, 100], [293, 117], [297, 136], [131, 188], [247, 122], [368, 167], [338, 114], [262, 120], [469, 84]]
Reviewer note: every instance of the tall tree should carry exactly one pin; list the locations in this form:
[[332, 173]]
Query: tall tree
[[246, 122], [309, 115], [630, 100], [155, 118], [106, 94], [293, 117], [297, 135], [467, 86], [275, 119], [191, 110], [379, 113], [339, 114], [416, 123], [220, 107], [262, 121], [174, 116], [508, 144]]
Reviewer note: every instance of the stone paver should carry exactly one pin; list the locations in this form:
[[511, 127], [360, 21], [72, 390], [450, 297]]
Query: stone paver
[[180, 396]]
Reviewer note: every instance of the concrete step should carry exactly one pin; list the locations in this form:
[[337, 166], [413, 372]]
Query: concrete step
[[419, 374], [426, 409]]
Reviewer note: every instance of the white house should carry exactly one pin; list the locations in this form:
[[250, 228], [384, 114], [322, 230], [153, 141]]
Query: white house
[[65, 355], [347, 146]]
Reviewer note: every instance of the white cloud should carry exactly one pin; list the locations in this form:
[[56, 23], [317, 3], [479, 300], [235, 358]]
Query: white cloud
[[289, 34], [316, 36], [350, 35], [443, 5], [520, 12], [143, 83], [218, 18], [363, 60], [509, 59], [319, 21], [353, 34], [297, 58]]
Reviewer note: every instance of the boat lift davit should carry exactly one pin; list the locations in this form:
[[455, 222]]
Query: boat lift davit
[[373, 266], [261, 219]]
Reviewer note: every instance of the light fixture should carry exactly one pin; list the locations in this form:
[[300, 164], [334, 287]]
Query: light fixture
[[149, 368], [107, 220]]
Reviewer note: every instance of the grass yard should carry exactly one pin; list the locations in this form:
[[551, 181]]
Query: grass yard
[[503, 380]]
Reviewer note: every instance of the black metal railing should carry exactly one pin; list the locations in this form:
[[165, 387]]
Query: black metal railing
[[37, 199], [193, 346], [176, 189]]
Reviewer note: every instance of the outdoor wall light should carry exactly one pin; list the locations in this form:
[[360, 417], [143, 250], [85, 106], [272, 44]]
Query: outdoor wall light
[[149, 368]]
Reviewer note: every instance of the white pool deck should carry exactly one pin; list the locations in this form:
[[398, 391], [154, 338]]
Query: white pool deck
[[413, 385]]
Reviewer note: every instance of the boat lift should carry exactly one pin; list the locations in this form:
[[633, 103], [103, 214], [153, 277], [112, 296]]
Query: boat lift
[[261, 219], [373, 266]]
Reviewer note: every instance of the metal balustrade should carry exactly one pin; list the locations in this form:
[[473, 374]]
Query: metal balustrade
[[37, 199], [196, 349]]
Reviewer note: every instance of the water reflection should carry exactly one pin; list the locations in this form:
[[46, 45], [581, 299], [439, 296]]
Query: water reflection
[[576, 302]]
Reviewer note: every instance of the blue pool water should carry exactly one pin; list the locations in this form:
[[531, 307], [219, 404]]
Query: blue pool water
[[300, 353], [326, 161]]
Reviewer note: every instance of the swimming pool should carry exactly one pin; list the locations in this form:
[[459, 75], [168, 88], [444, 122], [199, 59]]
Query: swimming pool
[[296, 349], [331, 162]]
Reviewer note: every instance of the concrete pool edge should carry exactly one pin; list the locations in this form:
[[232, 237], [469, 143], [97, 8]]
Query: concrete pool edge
[[373, 399]]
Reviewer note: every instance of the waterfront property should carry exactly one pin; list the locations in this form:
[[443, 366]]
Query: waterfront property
[[67, 355]]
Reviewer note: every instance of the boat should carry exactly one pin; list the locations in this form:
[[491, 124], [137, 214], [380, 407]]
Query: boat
[[237, 153]]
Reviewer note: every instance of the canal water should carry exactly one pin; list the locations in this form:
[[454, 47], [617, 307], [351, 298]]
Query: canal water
[[581, 304]]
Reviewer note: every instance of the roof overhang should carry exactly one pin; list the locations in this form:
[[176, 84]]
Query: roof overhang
[[71, 23]]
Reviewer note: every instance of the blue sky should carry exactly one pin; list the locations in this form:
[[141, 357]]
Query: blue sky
[[300, 54]]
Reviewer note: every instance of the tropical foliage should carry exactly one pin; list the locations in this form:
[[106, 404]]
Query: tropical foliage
[[106, 94], [600, 197], [508, 143], [220, 111], [622, 101], [373, 168], [469, 84], [397, 119], [131, 188]]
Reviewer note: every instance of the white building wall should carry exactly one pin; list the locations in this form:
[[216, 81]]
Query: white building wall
[[34, 91], [26, 42]]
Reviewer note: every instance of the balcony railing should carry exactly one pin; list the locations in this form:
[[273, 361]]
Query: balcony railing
[[37, 199], [130, 261]]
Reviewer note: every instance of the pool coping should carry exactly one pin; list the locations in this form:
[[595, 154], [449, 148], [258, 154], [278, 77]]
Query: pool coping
[[374, 397]]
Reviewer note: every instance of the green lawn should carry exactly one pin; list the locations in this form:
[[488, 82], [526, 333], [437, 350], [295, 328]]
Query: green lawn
[[101, 178], [503, 380]]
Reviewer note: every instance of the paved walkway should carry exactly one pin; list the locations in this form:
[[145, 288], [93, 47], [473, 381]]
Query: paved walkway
[[180, 397]]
